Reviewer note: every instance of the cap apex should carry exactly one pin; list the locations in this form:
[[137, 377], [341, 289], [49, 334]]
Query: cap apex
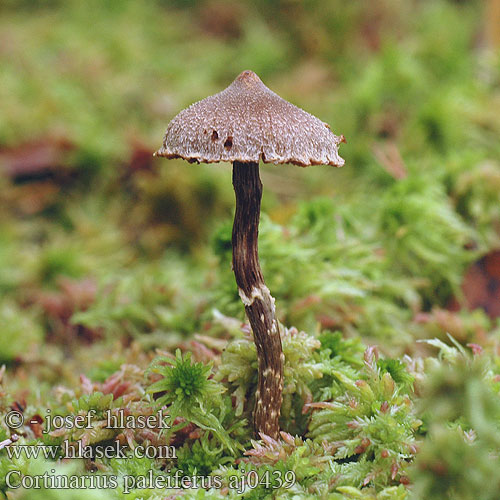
[[248, 77]]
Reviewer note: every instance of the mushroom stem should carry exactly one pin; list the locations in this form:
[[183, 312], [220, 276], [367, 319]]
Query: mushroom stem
[[259, 305]]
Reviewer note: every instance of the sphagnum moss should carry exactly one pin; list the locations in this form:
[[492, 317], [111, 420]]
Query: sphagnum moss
[[187, 391]]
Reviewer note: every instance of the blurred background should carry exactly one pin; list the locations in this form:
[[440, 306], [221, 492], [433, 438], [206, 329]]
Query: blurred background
[[103, 246]]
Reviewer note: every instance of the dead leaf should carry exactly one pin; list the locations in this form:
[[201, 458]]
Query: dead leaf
[[481, 285], [35, 160]]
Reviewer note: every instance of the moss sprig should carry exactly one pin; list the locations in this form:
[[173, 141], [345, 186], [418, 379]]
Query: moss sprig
[[188, 391]]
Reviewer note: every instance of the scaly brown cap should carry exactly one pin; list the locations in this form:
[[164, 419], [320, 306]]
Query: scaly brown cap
[[247, 122]]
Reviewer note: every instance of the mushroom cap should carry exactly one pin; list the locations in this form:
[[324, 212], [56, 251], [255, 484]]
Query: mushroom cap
[[247, 122]]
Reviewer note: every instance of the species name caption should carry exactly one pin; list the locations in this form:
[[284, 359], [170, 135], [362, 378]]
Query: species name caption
[[14, 479]]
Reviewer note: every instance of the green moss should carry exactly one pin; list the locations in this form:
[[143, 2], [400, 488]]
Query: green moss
[[20, 332], [189, 393]]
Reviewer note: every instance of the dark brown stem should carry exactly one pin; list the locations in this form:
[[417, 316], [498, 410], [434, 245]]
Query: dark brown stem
[[259, 305]]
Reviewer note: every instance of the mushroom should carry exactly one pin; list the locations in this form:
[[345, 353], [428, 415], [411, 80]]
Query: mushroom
[[243, 124]]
